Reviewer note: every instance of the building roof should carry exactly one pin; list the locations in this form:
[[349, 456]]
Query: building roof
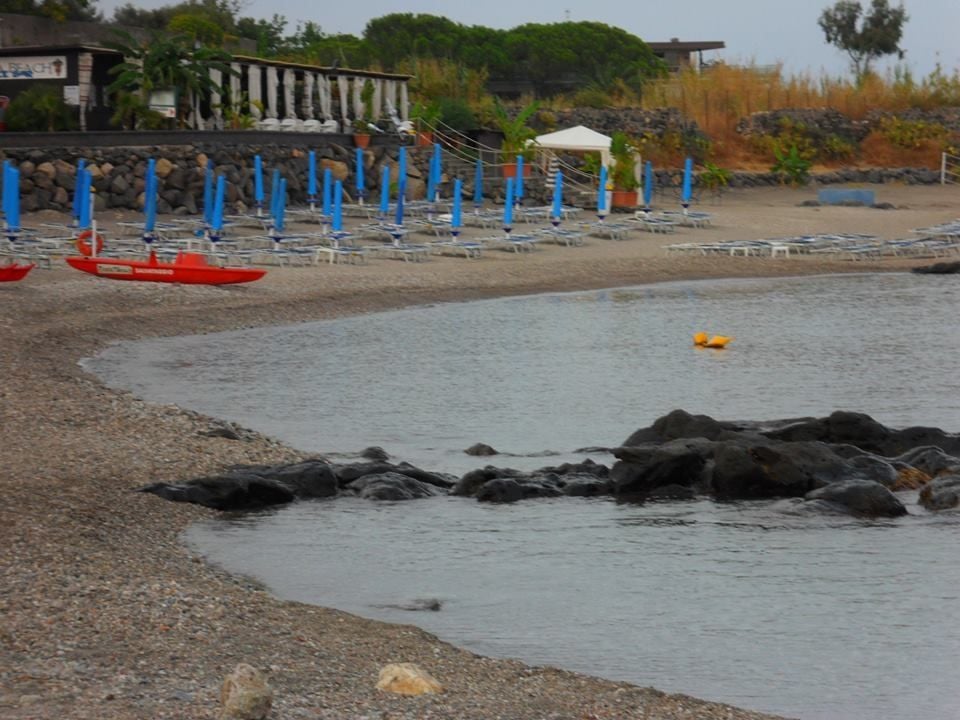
[[326, 70], [75, 47], [687, 45]]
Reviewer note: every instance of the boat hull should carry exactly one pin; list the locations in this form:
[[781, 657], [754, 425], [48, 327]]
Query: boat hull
[[12, 273], [146, 271]]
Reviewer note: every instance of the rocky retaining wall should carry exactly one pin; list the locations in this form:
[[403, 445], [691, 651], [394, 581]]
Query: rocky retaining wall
[[48, 176]]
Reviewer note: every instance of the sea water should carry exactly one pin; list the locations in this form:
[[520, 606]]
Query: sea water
[[816, 618]]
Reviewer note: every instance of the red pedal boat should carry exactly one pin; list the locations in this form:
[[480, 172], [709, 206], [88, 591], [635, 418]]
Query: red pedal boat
[[188, 268], [14, 272]]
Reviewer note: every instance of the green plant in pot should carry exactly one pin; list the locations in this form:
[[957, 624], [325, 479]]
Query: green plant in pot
[[623, 175], [425, 117], [516, 135], [361, 126]]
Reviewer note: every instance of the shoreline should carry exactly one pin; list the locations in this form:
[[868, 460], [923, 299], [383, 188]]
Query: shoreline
[[109, 615]]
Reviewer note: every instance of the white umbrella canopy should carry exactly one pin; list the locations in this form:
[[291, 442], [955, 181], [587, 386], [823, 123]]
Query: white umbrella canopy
[[580, 139]]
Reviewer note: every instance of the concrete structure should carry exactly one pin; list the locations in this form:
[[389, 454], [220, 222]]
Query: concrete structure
[[259, 94], [679, 54]]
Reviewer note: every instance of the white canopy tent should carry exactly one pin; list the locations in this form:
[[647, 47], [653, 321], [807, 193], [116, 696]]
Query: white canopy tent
[[579, 138]]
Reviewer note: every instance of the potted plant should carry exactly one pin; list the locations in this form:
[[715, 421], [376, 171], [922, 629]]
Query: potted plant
[[425, 117], [623, 175], [516, 137], [361, 126]]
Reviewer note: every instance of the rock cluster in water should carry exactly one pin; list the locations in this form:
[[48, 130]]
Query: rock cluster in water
[[845, 463]]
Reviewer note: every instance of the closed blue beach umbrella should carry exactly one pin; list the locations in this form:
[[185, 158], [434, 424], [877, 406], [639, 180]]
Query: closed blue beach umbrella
[[647, 185], [508, 206], [687, 190], [258, 195], [76, 198], [478, 185], [217, 223], [6, 187], [208, 193], [602, 192], [274, 192], [402, 171], [338, 207], [280, 208], [83, 191], [433, 176], [312, 177], [327, 190], [385, 191], [456, 219], [398, 217], [518, 190], [557, 211], [150, 201], [359, 174], [11, 188]]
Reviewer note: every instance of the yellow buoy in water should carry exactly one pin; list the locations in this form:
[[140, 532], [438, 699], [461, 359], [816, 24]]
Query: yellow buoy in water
[[700, 339], [718, 341]]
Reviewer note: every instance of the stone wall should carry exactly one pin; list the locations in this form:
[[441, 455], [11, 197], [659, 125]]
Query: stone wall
[[48, 176]]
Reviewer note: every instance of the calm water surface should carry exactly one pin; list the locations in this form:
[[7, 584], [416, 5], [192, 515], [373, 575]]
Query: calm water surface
[[813, 618]]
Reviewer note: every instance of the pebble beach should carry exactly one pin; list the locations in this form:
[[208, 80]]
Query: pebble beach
[[106, 614]]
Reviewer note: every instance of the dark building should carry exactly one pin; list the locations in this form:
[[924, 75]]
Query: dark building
[[679, 54], [79, 72]]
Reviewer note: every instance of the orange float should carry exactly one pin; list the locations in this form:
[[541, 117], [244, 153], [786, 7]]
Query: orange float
[[85, 246]]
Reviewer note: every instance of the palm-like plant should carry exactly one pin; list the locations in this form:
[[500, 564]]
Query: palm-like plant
[[516, 133], [166, 62]]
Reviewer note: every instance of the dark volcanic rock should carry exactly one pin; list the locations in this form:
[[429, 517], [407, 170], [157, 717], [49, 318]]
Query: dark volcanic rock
[[663, 468], [392, 486], [942, 268], [347, 474], [480, 449], [375, 452], [505, 490], [943, 493], [862, 498], [225, 492], [471, 482]]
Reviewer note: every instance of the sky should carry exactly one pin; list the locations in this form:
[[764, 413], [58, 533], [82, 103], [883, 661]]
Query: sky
[[761, 31]]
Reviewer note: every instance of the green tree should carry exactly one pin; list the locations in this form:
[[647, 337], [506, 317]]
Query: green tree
[[267, 33], [864, 37], [166, 62], [59, 10], [39, 108]]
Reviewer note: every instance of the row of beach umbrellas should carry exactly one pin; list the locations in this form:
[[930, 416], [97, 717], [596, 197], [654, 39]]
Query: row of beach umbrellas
[[331, 196]]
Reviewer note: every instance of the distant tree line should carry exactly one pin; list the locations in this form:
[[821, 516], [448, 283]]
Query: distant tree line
[[581, 53]]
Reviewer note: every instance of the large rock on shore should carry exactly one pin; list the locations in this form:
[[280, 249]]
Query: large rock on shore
[[846, 462], [254, 487], [245, 694]]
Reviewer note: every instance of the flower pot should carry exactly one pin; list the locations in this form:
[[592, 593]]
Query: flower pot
[[361, 141], [424, 138], [510, 170], [623, 198]]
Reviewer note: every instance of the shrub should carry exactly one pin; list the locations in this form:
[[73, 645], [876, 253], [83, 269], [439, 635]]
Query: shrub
[[592, 97], [911, 134], [40, 108], [792, 165], [456, 113]]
